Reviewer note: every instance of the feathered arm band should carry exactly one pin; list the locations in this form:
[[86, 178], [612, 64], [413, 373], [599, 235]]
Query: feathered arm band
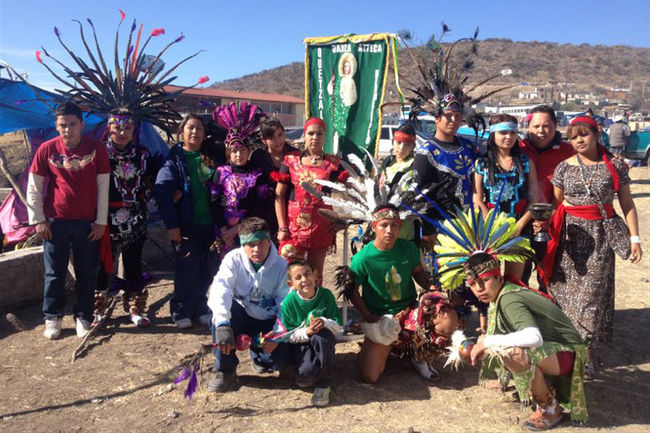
[[345, 281]]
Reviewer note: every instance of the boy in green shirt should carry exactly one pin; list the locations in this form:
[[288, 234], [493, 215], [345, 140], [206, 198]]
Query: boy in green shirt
[[311, 316], [531, 337], [385, 269]]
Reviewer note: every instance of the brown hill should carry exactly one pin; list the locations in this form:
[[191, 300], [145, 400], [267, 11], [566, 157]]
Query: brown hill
[[575, 67]]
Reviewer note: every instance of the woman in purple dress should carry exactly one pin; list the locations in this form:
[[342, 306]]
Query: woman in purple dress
[[238, 190]]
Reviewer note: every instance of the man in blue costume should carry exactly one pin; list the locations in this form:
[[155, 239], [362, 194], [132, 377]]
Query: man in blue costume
[[445, 164]]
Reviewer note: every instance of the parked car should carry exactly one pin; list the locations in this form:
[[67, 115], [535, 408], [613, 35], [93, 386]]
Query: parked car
[[293, 133], [386, 140], [638, 146], [425, 130]]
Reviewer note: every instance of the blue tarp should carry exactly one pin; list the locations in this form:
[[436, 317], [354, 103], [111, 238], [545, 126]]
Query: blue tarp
[[21, 109]]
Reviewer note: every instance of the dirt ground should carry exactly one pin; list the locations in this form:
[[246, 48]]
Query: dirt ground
[[123, 382]]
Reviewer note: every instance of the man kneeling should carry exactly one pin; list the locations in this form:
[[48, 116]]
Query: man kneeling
[[394, 320], [531, 337], [254, 277]]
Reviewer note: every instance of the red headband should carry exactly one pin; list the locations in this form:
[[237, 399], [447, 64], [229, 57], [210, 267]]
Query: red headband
[[315, 121], [403, 137], [585, 119], [495, 272]]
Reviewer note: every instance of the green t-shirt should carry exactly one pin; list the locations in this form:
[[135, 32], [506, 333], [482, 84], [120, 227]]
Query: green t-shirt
[[297, 311], [199, 173], [520, 309], [385, 276]]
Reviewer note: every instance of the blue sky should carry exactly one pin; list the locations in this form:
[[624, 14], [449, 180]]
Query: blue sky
[[243, 37]]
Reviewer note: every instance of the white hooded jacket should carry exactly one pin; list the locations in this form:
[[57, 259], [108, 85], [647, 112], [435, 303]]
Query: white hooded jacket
[[259, 292]]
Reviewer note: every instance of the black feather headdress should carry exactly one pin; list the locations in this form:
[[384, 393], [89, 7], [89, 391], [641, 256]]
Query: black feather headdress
[[441, 81], [135, 82]]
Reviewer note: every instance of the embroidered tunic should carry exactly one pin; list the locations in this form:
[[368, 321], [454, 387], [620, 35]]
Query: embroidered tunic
[[240, 191], [445, 169], [514, 197], [127, 212], [309, 229]]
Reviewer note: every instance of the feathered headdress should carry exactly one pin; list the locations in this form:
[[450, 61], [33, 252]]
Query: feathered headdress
[[134, 83], [356, 196], [240, 123], [442, 81], [469, 233]]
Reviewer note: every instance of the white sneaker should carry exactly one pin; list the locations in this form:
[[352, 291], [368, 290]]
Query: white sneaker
[[52, 328], [205, 319], [184, 323], [139, 320], [83, 326], [321, 397], [425, 370]]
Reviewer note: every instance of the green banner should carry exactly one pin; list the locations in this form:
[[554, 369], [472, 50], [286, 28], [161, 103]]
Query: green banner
[[345, 78]]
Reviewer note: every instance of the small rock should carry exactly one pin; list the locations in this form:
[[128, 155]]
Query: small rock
[[164, 390], [645, 280], [7, 417], [96, 400], [15, 322], [172, 414], [514, 419]]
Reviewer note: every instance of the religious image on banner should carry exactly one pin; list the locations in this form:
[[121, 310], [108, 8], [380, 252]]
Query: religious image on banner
[[345, 79], [343, 90]]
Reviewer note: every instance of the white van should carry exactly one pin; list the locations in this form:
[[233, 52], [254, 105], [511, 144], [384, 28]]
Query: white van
[[425, 129]]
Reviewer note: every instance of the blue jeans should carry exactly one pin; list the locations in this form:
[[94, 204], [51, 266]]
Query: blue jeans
[[242, 323], [195, 268], [314, 360], [56, 253]]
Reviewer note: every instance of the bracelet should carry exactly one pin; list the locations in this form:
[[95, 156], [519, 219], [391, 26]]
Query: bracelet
[[635, 239], [283, 229]]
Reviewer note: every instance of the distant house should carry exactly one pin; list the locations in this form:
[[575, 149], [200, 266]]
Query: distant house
[[514, 110], [290, 110]]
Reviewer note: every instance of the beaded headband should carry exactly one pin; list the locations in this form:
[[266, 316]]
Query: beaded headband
[[385, 213], [121, 119]]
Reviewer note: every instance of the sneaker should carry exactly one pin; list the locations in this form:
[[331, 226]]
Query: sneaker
[[262, 369], [205, 319], [139, 321], [425, 370], [321, 397], [83, 326], [542, 419], [184, 323], [221, 381], [52, 328]]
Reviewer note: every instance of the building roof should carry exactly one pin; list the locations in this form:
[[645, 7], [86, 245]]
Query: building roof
[[234, 94]]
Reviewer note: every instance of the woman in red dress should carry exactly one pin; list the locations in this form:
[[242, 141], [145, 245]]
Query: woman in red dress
[[300, 221]]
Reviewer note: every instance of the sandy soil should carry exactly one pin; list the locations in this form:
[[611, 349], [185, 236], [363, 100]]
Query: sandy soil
[[122, 382]]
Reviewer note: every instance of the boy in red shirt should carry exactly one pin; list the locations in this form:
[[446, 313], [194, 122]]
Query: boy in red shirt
[[67, 195]]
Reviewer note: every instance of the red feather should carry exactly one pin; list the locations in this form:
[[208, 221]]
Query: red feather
[[204, 79], [158, 32], [280, 177], [122, 14], [343, 176], [38, 57]]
